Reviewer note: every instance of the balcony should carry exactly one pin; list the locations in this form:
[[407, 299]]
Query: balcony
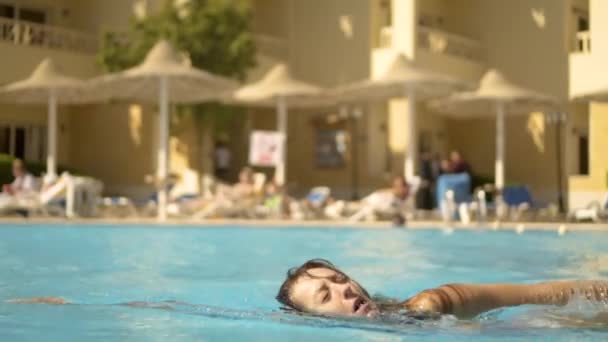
[[441, 42], [436, 49], [582, 42], [438, 42], [46, 36]]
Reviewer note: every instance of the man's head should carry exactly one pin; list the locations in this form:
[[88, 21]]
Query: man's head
[[318, 287], [246, 176], [455, 156], [400, 187], [18, 168]]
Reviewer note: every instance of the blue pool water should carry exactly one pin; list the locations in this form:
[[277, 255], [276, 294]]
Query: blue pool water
[[232, 275]]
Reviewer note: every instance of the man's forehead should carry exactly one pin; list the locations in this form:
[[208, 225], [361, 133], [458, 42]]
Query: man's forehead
[[304, 289], [321, 272]]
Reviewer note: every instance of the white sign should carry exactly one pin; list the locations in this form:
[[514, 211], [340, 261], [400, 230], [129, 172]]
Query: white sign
[[266, 148]]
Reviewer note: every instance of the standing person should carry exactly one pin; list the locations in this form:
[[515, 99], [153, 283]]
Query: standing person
[[222, 160], [424, 196]]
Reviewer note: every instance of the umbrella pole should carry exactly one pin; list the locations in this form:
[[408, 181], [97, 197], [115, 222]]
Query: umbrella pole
[[500, 147], [412, 148], [281, 169], [51, 157], [163, 154]]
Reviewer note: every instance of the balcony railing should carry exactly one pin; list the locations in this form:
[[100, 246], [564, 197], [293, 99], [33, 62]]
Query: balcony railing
[[582, 42], [46, 36], [438, 41]]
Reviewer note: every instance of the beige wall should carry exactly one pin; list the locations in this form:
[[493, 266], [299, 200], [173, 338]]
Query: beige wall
[[98, 16], [593, 187], [337, 57], [272, 17], [115, 143]]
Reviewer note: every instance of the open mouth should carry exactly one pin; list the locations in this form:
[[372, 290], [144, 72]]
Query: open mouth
[[360, 306]]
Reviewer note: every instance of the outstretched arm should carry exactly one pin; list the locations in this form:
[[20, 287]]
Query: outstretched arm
[[39, 300], [468, 300]]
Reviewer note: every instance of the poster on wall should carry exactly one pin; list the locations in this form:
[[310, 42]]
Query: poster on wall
[[266, 148]]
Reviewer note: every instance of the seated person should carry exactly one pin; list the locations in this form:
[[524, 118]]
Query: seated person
[[445, 167], [386, 203], [272, 198], [245, 186], [318, 287], [24, 183], [458, 164]]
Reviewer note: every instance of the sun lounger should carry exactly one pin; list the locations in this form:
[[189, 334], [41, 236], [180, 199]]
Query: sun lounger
[[68, 196], [312, 206], [453, 192], [594, 211]]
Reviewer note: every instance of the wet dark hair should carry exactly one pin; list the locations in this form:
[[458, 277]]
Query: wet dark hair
[[294, 273]]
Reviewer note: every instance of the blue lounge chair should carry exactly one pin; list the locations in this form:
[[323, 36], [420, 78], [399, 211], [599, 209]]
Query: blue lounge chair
[[517, 196], [452, 191]]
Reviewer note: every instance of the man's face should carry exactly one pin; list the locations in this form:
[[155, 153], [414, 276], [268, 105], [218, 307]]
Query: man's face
[[327, 292], [17, 171]]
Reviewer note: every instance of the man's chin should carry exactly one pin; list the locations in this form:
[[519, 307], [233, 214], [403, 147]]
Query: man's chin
[[373, 313]]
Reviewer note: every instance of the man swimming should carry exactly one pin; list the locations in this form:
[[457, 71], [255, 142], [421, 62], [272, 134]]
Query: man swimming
[[318, 287]]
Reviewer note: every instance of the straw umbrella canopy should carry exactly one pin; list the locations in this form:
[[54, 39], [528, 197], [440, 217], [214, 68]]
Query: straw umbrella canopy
[[163, 76], [278, 88], [46, 85], [496, 96], [403, 78]]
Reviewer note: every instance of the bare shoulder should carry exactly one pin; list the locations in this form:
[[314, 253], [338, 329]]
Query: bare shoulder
[[428, 301], [39, 300]]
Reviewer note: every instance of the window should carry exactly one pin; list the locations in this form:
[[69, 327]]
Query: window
[[32, 15], [19, 143], [5, 138], [7, 11], [331, 147], [27, 142], [579, 31], [583, 155], [582, 24]]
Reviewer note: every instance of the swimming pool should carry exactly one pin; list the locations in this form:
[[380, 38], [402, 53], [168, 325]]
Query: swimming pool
[[234, 273]]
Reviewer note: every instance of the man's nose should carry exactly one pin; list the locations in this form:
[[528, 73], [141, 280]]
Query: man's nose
[[348, 293]]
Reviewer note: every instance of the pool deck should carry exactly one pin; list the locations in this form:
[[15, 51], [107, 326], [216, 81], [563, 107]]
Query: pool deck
[[518, 227]]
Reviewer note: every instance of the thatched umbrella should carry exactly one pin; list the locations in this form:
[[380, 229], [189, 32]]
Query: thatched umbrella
[[279, 89], [46, 85], [403, 78], [496, 96], [163, 76]]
